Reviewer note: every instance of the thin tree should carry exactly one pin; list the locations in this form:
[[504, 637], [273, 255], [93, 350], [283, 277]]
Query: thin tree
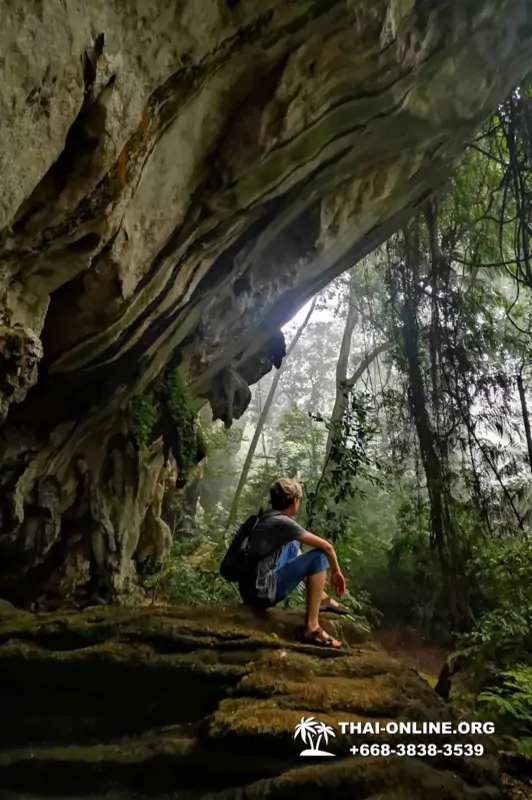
[[342, 365], [526, 417], [344, 383], [344, 386], [264, 416]]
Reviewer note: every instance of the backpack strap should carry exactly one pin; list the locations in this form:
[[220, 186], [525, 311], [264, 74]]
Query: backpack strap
[[257, 520]]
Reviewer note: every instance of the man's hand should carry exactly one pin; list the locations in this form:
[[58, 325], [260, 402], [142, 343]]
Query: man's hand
[[337, 579], [338, 583]]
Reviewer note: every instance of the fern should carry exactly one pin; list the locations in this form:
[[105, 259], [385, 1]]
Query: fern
[[513, 698]]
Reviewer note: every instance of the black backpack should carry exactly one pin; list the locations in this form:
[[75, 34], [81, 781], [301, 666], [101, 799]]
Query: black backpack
[[237, 562]]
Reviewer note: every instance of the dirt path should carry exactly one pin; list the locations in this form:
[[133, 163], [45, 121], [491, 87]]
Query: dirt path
[[410, 647]]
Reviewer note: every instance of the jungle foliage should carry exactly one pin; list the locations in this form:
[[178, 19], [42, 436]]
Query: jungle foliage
[[404, 412]]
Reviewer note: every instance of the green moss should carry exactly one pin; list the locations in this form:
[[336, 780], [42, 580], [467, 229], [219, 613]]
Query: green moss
[[130, 752], [179, 404], [144, 412], [258, 683], [201, 440], [170, 400], [378, 778], [430, 679]]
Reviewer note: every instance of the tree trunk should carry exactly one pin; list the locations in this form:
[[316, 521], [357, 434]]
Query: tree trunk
[[341, 366], [429, 456], [263, 417], [526, 418], [342, 397], [439, 514], [344, 386]]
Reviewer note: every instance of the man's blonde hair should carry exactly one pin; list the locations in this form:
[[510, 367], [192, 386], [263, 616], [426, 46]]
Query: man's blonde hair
[[283, 493]]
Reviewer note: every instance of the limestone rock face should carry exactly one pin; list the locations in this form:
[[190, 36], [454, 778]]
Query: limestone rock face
[[176, 179], [195, 704]]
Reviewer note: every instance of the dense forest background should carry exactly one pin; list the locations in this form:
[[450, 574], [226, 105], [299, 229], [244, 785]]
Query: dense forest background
[[403, 408]]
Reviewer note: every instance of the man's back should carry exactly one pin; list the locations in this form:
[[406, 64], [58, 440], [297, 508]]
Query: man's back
[[276, 566], [273, 531]]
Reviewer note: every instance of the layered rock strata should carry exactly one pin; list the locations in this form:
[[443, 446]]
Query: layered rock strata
[[177, 178]]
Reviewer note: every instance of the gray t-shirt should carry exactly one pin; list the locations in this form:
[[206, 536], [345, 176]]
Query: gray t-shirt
[[273, 531]]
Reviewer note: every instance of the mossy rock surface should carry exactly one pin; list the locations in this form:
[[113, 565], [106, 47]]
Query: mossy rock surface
[[139, 702]]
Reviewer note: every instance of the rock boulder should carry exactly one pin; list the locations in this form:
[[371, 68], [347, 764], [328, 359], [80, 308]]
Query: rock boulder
[[187, 703]]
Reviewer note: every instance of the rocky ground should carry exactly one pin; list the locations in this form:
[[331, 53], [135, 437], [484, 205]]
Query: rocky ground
[[179, 703]]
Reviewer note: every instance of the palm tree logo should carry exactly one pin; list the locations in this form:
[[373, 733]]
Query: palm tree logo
[[310, 729]]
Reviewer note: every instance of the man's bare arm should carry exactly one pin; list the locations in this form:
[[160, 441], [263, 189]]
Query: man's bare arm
[[312, 540]]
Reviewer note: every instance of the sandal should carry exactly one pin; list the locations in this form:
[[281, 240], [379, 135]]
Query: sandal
[[319, 638], [335, 608]]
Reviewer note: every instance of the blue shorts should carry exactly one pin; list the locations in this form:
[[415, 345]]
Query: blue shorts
[[293, 568]]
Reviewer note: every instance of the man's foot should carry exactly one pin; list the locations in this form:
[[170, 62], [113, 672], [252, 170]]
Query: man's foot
[[317, 637], [328, 605]]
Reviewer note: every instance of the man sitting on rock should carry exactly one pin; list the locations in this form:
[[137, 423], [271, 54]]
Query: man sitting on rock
[[280, 565]]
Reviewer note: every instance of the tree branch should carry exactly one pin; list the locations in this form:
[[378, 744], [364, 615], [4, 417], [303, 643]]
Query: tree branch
[[367, 362]]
